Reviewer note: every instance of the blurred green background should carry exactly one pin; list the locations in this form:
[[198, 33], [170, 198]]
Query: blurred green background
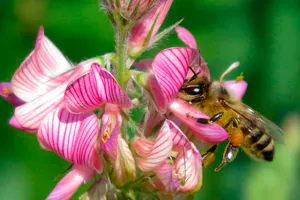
[[263, 35]]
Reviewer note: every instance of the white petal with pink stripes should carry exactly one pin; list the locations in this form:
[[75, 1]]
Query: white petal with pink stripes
[[159, 151], [93, 90], [41, 71], [72, 136]]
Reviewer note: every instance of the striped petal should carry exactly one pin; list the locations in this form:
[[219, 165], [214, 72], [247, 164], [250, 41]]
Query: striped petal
[[111, 125], [31, 114], [199, 66], [159, 152], [238, 88], [170, 68], [93, 90], [7, 93], [178, 137], [124, 165], [72, 136], [165, 174], [143, 146], [207, 133], [188, 166], [70, 183], [41, 71], [186, 37]]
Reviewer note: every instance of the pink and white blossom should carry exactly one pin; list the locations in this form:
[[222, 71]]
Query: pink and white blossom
[[40, 83], [144, 31], [173, 158], [74, 138]]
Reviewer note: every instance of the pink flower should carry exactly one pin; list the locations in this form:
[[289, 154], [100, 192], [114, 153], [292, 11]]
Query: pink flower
[[143, 33], [237, 87], [73, 137], [40, 82], [98, 89], [173, 158]]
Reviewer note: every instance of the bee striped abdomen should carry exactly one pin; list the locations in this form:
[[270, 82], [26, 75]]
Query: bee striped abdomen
[[259, 144]]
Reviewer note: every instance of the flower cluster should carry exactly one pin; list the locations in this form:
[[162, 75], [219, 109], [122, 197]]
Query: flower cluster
[[83, 112]]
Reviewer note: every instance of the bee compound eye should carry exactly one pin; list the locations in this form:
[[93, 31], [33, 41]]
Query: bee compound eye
[[193, 90]]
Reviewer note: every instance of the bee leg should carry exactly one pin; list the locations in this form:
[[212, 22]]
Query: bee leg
[[209, 156], [229, 155], [211, 120]]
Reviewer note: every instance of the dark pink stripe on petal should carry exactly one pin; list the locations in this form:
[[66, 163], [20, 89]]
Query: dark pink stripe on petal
[[93, 90], [41, 71], [170, 68], [72, 136]]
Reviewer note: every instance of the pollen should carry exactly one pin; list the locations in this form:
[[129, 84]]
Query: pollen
[[106, 136], [7, 91], [239, 78]]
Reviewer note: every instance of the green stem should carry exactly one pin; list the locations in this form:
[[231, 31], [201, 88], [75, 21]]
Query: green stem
[[121, 50]]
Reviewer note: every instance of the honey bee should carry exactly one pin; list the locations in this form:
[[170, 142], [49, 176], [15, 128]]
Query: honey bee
[[247, 128]]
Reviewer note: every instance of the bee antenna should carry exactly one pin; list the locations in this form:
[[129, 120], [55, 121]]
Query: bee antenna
[[229, 69], [195, 74]]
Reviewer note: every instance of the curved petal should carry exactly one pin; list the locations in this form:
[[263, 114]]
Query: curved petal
[[31, 114], [238, 88], [124, 166], [170, 68], [71, 136], [93, 90], [70, 183], [186, 37], [208, 133], [200, 68], [178, 137], [188, 165], [143, 146], [41, 71], [7, 93], [159, 152], [111, 125], [165, 174]]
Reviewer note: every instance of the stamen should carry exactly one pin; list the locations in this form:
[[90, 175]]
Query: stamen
[[230, 68], [106, 136], [239, 78]]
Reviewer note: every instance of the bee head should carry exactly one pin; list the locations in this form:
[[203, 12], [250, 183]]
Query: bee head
[[194, 90]]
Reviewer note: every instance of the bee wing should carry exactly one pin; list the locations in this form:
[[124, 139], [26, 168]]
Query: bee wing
[[256, 119]]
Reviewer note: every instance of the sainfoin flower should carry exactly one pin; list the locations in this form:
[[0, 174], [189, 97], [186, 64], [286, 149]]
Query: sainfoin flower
[[38, 85], [99, 88], [173, 158]]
